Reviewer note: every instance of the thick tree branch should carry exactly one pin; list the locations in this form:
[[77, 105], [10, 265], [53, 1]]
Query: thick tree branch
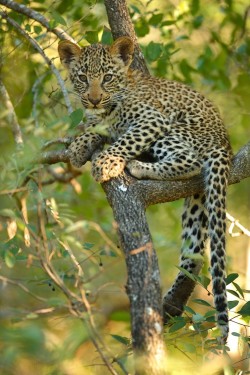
[[121, 24]]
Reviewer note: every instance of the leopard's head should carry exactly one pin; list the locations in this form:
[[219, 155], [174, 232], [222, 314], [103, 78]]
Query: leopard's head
[[98, 72]]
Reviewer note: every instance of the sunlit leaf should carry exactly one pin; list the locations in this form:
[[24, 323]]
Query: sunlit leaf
[[245, 310], [10, 259]]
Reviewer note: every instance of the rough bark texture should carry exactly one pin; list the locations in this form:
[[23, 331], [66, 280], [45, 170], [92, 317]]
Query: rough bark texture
[[121, 25], [143, 282]]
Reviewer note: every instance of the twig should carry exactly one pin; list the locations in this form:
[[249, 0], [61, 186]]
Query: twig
[[64, 141], [11, 115], [13, 191], [235, 223], [45, 57], [52, 157], [34, 90], [23, 287], [30, 13]]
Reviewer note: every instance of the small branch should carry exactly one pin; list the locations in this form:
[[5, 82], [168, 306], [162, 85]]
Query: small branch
[[5, 280], [235, 223], [36, 46], [11, 115], [30, 13], [13, 191], [53, 157], [63, 141]]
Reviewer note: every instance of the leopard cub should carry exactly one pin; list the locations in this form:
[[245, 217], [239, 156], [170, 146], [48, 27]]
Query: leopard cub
[[179, 128]]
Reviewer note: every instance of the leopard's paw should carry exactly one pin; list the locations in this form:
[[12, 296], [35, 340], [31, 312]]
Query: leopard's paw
[[135, 169], [82, 148], [106, 166]]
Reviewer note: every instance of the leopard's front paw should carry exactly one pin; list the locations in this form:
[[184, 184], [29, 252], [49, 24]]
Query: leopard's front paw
[[82, 148], [106, 166]]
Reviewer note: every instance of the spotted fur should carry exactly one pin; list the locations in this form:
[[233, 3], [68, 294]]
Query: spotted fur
[[179, 129]]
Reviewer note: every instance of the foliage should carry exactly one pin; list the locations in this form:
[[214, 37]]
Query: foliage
[[62, 273]]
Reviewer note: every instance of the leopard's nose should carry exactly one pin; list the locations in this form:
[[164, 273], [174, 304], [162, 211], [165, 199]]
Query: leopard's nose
[[95, 101]]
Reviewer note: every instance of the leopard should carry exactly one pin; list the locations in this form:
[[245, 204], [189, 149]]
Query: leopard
[[156, 129]]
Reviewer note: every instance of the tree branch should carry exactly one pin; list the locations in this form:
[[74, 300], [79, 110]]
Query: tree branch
[[11, 115], [30, 13], [36, 46], [121, 25]]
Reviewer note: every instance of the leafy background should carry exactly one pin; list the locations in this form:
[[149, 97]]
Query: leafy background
[[204, 44]]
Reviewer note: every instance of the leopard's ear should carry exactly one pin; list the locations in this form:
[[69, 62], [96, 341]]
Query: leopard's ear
[[68, 52], [123, 48]]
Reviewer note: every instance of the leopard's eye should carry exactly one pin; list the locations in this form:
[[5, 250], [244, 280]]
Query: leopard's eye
[[83, 78], [107, 78]]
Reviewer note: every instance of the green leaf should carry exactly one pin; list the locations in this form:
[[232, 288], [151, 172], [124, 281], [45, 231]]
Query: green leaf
[[153, 51], [135, 9], [201, 302], [109, 253], [76, 117], [245, 310], [195, 6], [178, 325], [190, 348], [230, 278], [88, 245], [238, 289], [8, 212], [233, 293], [38, 29], [156, 19], [106, 36], [92, 36], [197, 21], [210, 313], [28, 28], [121, 339], [204, 281], [58, 18], [188, 274], [10, 259], [120, 316], [189, 310], [168, 23], [141, 27], [198, 318], [232, 304]]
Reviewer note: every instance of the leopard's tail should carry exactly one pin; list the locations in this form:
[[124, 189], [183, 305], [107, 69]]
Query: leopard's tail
[[216, 179]]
